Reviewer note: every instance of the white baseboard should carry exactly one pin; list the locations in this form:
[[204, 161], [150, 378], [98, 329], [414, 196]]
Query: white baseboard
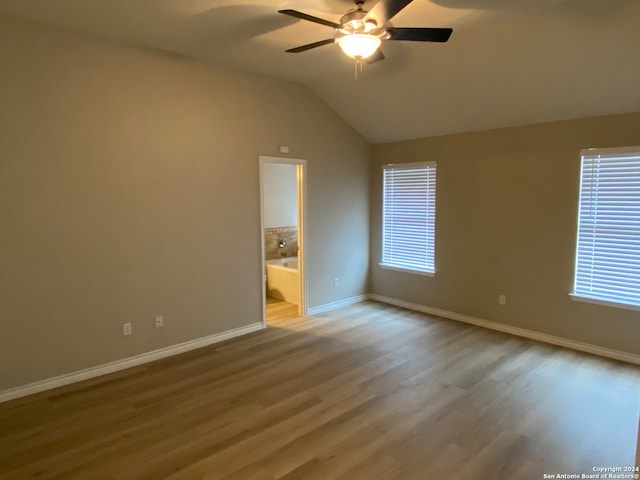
[[520, 332], [118, 365], [340, 303]]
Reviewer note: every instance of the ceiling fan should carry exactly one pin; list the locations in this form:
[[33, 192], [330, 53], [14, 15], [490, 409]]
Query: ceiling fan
[[360, 32]]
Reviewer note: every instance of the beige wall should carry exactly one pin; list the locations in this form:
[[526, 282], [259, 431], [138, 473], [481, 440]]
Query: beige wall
[[129, 187], [505, 224]]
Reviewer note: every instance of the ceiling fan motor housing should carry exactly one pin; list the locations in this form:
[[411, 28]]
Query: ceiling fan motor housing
[[355, 21]]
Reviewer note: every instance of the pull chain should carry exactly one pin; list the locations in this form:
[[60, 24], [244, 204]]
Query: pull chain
[[358, 66]]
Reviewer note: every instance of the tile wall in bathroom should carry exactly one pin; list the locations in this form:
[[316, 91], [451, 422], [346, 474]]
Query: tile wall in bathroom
[[272, 239]]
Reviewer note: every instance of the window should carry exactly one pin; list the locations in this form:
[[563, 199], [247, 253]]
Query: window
[[608, 243], [408, 217]]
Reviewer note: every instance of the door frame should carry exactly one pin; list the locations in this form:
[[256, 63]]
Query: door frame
[[301, 176]]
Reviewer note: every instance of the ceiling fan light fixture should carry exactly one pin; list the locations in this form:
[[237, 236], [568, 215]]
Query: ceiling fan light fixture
[[359, 45]]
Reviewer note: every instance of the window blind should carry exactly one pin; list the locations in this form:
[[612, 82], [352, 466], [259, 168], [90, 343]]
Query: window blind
[[608, 241], [408, 216]]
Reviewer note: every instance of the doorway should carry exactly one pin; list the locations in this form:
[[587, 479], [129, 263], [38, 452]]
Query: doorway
[[283, 215]]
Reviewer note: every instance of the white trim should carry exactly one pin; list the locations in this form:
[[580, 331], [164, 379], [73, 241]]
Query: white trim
[[520, 332], [283, 160], [340, 303], [407, 270], [607, 303], [123, 364], [301, 177], [396, 166], [301, 182], [594, 152]]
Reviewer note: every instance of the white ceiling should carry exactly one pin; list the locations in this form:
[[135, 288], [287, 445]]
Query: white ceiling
[[508, 62]]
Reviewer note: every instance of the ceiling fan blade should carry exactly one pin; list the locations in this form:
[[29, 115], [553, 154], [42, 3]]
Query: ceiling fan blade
[[420, 34], [376, 57], [385, 10], [309, 46], [310, 18]]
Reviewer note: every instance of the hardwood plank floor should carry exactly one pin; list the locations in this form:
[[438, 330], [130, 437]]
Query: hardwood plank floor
[[280, 310], [366, 392]]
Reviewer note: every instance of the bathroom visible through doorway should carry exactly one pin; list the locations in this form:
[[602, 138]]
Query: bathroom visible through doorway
[[283, 194]]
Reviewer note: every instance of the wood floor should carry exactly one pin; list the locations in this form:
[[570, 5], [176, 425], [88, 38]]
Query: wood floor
[[278, 310], [367, 392]]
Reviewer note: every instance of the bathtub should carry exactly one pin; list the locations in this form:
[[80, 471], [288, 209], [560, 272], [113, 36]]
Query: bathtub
[[283, 279]]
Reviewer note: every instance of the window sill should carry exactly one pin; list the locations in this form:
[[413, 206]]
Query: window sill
[[424, 273], [606, 303]]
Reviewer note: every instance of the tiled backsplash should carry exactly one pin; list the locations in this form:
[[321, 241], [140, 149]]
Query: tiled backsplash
[[272, 239]]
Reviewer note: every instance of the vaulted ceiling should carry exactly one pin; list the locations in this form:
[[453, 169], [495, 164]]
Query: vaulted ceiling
[[508, 62]]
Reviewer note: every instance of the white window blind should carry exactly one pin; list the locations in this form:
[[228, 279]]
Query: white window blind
[[408, 216], [608, 243]]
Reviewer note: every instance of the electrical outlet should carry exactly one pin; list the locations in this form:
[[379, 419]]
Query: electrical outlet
[[336, 282], [126, 329], [502, 300], [159, 321]]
